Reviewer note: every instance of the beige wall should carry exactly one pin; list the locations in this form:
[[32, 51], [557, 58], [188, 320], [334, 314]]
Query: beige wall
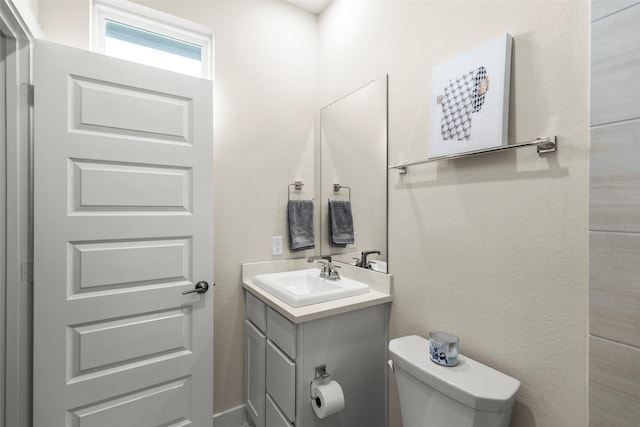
[[492, 248]]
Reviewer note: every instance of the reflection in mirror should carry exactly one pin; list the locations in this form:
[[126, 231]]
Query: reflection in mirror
[[353, 163]]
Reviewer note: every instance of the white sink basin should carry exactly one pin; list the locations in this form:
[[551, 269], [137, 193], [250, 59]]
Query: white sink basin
[[304, 287]]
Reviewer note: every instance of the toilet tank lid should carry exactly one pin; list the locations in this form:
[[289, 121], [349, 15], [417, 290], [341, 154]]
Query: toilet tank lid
[[469, 382]]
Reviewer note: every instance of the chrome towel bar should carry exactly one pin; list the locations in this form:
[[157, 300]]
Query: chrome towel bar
[[544, 145]]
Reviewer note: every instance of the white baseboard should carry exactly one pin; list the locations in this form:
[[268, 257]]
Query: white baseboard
[[234, 417]]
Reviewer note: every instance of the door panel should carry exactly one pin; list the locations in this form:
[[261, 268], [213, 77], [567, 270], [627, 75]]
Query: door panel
[[100, 346], [123, 214], [140, 408], [127, 264], [131, 188], [105, 106]]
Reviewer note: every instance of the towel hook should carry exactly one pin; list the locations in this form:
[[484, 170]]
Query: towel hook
[[337, 187], [297, 186]]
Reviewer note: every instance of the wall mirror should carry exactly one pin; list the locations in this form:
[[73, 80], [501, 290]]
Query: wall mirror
[[353, 167]]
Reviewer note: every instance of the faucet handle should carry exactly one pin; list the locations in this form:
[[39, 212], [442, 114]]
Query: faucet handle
[[333, 272], [328, 269]]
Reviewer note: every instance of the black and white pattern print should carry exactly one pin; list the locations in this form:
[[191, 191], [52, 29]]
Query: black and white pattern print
[[463, 96]]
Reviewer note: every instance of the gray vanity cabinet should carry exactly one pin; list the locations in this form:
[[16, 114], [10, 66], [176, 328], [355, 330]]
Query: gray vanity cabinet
[[281, 380], [281, 357], [270, 383], [256, 343], [255, 354], [275, 418]]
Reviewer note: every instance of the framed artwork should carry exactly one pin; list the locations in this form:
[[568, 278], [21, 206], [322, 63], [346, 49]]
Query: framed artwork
[[470, 100]]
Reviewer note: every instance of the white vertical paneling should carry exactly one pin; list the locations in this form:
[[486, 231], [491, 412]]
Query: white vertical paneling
[[3, 219], [16, 377]]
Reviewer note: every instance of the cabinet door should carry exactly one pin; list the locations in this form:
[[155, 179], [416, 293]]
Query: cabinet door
[[255, 373], [275, 418], [281, 380]]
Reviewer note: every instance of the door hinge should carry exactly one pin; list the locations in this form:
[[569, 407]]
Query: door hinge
[[28, 93], [26, 272]]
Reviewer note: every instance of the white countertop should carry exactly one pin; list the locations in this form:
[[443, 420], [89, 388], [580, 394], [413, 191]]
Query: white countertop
[[380, 290]]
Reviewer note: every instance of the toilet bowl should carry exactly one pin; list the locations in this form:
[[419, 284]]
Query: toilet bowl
[[469, 394]]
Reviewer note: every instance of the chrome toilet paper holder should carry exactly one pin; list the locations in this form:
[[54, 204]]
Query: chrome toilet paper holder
[[322, 377]]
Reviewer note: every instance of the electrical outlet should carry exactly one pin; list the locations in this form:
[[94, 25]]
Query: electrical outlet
[[276, 245]]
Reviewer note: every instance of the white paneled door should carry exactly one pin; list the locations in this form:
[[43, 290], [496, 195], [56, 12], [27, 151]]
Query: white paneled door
[[123, 225]]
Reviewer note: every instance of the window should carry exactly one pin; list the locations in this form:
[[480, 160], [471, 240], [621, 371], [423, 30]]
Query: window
[[140, 34]]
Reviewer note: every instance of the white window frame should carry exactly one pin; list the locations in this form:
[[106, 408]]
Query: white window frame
[[152, 20]]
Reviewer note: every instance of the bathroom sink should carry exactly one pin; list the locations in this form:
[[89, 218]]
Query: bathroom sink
[[305, 287], [380, 266]]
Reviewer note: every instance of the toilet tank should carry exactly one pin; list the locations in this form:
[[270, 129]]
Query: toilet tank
[[469, 394]]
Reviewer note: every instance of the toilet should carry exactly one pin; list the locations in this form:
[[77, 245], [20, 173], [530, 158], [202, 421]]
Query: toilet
[[469, 394]]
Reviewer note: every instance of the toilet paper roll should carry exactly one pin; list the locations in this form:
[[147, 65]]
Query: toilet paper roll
[[328, 400]]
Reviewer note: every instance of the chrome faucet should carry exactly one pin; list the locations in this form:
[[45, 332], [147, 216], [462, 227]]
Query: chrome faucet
[[329, 271], [363, 260]]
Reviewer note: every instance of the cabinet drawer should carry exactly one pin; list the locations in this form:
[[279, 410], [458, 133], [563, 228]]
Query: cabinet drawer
[[256, 311], [275, 418], [281, 380], [282, 332]]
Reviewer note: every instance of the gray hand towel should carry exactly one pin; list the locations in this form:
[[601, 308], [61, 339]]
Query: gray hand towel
[[300, 214], [340, 223]]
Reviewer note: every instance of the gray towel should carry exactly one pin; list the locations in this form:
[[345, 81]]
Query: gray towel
[[340, 223], [300, 214]]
